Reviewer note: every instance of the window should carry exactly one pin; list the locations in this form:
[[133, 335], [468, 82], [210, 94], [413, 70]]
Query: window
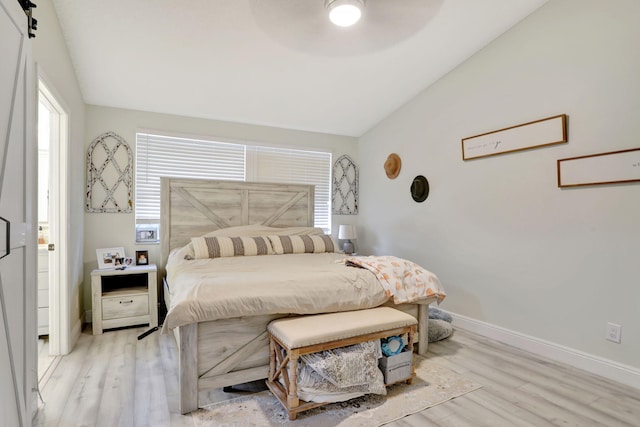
[[268, 164], [158, 155]]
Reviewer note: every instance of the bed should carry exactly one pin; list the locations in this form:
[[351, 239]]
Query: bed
[[222, 346]]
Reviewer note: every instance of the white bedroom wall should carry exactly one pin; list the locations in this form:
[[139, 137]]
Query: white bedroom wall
[[54, 64], [104, 230], [511, 248]]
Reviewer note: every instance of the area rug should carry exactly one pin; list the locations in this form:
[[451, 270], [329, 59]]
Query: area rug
[[433, 385]]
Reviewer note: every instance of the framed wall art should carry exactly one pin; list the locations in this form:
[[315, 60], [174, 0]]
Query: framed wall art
[[147, 233], [604, 168], [344, 198], [539, 133], [109, 175]]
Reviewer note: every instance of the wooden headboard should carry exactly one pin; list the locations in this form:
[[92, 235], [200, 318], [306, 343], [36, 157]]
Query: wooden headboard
[[193, 207]]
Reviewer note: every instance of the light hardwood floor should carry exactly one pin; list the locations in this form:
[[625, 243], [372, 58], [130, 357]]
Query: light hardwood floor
[[115, 380], [45, 362]]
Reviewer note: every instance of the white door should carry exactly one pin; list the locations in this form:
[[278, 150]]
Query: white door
[[17, 227]]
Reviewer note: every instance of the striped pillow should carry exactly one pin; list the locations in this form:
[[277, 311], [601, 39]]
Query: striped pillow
[[223, 246], [302, 244]]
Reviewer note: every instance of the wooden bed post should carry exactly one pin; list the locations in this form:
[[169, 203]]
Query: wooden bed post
[[188, 380], [423, 328]]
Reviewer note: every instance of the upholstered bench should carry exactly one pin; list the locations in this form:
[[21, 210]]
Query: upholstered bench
[[289, 338]]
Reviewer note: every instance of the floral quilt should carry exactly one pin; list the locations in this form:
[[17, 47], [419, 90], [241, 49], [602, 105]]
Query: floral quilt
[[406, 281]]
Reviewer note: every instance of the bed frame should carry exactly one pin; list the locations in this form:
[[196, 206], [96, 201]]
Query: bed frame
[[227, 352]]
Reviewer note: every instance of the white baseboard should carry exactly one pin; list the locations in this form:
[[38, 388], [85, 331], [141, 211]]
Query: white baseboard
[[596, 365]]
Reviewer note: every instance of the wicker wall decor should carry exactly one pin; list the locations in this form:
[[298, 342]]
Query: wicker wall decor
[[345, 187], [109, 175]]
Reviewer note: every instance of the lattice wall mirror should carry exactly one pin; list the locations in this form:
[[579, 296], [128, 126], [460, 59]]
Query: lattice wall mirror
[[109, 175], [345, 187]]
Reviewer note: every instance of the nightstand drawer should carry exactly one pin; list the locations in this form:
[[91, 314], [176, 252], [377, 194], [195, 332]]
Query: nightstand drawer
[[125, 306]]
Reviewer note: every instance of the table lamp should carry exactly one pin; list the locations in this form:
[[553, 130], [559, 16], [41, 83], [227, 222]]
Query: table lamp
[[347, 232]]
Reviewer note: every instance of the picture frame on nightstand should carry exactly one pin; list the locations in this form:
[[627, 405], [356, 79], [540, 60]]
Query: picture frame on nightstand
[[142, 257], [107, 257]]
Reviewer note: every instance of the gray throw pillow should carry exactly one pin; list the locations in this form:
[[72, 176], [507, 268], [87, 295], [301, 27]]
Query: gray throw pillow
[[439, 330]]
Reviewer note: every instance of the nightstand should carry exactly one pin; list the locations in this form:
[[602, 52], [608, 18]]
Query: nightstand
[[124, 297]]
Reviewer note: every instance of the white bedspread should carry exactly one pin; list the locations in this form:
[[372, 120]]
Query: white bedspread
[[210, 289]]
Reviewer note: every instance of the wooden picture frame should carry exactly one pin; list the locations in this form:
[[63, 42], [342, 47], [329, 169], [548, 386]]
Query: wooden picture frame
[[142, 257], [613, 167], [107, 257], [539, 133]]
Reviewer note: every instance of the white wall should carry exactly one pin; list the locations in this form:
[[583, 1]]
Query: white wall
[[54, 64], [511, 248], [108, 230]]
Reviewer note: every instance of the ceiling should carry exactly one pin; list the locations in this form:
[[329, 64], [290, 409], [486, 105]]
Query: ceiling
[[278, 63]]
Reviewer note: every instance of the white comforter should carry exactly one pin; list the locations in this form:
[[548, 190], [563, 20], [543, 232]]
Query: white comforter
[[210, 289]]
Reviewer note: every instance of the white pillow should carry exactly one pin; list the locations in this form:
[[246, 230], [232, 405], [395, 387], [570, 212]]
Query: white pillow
[[293, 244]]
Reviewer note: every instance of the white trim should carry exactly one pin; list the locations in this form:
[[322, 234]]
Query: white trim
[[30, 352], [606, 368], [60, 342]]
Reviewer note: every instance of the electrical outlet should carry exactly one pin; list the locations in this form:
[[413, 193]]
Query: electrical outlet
[[614, 332]]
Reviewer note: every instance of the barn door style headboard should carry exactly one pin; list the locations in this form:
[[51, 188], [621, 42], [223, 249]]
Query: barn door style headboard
[[193, 207]]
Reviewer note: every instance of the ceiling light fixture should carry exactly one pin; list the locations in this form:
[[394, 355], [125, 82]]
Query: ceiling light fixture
[[344, 13]]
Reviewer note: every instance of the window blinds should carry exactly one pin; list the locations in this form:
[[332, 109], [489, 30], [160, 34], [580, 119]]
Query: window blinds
[[158, 155], [268, 164]]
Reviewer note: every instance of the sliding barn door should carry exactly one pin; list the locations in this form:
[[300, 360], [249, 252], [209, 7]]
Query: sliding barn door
[[17, 224]]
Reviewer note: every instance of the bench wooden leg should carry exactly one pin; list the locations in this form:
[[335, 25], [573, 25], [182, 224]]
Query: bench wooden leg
[[272, 359], [292, 398], [412, 332]]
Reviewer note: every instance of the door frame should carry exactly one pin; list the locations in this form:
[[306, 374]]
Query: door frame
[[59, 291]]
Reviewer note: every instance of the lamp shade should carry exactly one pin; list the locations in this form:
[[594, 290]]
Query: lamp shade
[[347, 232]]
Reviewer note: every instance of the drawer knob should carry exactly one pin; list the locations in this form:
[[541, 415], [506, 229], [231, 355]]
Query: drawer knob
[[127, 302]]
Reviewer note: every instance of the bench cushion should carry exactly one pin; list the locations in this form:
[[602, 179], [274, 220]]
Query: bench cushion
[[296, 332]]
